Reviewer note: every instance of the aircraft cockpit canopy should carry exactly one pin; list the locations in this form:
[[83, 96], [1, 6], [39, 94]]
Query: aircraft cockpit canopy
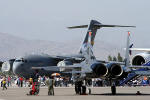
[[21, 60]]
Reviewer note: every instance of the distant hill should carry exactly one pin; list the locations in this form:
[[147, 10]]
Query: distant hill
[[13, 46]]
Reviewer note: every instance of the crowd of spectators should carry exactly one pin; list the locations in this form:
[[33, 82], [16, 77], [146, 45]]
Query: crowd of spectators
[[66, 81]]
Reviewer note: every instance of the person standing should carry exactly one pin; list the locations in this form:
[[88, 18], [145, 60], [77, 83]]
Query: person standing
[[30, 81], [4, 83], [21, 81], [18, 82], [50, 84], [9, 81]]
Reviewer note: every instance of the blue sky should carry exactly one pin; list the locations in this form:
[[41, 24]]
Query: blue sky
[[48, 19]]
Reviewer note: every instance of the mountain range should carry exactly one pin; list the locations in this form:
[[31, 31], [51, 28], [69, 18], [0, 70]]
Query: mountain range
[[12, 47]]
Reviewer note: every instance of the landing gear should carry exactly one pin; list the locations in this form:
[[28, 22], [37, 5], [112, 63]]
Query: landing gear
[[80, 88], [83, 90], [113, 88]]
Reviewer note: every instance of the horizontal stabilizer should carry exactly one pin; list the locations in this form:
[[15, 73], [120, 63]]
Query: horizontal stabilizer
[[81, 26], [98, 26], [102, 25]]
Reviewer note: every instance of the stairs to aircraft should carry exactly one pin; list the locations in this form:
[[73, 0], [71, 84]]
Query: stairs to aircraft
[[130, 77]]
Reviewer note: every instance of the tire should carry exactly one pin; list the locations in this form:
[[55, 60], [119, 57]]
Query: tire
[[30, 92], [113, 90]]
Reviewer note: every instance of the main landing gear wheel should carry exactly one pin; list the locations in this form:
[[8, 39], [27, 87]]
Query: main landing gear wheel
[[113, 90]]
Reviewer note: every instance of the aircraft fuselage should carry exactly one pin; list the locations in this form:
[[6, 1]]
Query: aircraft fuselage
[[23, 66]]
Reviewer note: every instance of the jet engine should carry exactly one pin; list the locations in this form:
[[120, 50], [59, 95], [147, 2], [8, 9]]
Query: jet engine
[[115, 70], [141, 58], [99, 69], [7, 65], [64, 63]]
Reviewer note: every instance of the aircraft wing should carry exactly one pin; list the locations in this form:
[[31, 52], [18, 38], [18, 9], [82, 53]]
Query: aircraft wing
[[57, 68], [71, 66], [76, 58], [140, 49], [146, 72], [48, 68], [76, 72], [141, 70], [137, 67], [71, 57]]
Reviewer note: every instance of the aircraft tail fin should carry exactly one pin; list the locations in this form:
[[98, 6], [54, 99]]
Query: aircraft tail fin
[[91, 33], [128, 51], [93, 26]]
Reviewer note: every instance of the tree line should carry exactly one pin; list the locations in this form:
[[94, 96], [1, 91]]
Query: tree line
[[119, 58]]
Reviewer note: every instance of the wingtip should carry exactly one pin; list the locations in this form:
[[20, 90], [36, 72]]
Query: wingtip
[[133, 26]]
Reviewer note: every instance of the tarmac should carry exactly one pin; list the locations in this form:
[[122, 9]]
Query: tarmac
[[67, 93]]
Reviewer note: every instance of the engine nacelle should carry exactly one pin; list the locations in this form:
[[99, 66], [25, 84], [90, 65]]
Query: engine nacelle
[[115, 70], [7, 65], [99, 69], [141, 58], [64, 63]]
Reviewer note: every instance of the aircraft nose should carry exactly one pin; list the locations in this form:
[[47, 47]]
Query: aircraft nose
[[17, 68]]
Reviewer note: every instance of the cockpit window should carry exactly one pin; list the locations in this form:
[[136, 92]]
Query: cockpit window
[[21, 60], [18, 60]]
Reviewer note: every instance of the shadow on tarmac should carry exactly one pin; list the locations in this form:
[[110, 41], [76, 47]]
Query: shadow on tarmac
[[123, 94]]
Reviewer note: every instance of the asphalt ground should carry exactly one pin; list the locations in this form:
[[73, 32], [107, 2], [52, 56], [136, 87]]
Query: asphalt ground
[[62, 93]]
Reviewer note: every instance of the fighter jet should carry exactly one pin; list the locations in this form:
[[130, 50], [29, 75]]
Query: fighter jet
[[114, 73]]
